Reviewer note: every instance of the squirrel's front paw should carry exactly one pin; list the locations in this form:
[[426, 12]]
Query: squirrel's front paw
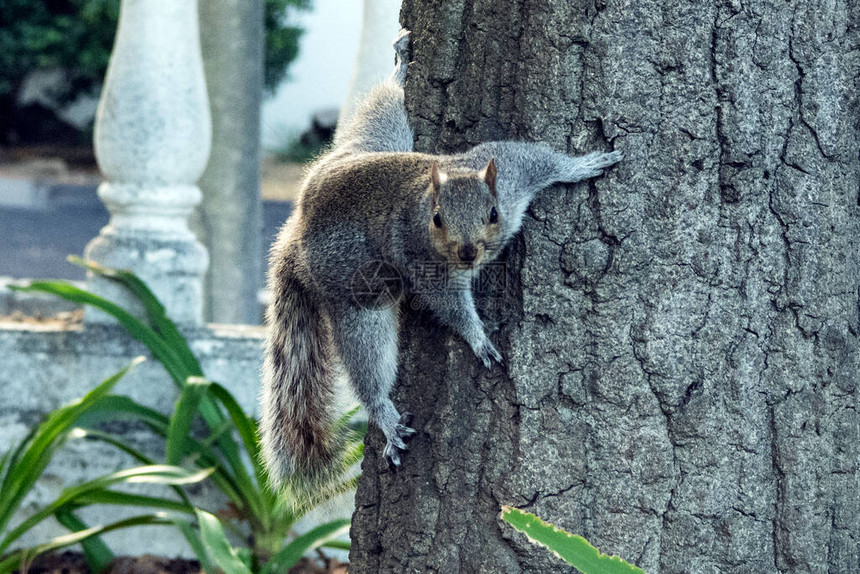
[[485, 350], [394, 439]]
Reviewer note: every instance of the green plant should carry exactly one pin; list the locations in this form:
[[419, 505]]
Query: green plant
[[23, 464], [265, 514], [573, 549], [72, 35]]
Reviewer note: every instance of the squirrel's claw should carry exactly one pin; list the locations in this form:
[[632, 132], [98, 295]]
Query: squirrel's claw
[[487, 351], [606, 159], [391, 453], [487, 362], [394, 443], [403, 430], [397, 442]]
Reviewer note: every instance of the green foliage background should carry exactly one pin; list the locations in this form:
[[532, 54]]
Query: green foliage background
[[77, 36], [282, 39]]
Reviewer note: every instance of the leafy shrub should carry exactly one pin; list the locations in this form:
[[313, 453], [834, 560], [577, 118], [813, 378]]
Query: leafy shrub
[[259, 516], [23, 464]]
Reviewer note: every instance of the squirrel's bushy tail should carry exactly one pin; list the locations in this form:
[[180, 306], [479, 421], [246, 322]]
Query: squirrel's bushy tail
[[299, 440]]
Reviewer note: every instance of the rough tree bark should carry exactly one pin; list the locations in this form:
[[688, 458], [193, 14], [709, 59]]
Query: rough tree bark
[[681, 334]]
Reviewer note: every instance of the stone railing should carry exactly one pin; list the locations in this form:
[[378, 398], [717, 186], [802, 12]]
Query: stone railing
[[152, 139]]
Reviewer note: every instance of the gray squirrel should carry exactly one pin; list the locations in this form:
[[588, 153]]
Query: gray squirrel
[[372, 200]]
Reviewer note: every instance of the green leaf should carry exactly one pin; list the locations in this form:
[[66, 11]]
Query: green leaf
[[247, 428], [119, 407], [217, 545], [30, 458], [134, 453], [155, 474], [292, 552], [196, 544], [3, 461], [96, 552], [126, 499], [268, 515], [82, 433], [337, 545], [14, 560], [160, 349], [246, 493], [244, 424], [183, 415], [11, 463], [246, 556], [154, 310], [347, 416], [205, 458], [170, 348], [573, 549], [11, 458]]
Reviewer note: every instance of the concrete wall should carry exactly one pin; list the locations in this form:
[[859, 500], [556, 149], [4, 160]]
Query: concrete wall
[[46, 365]]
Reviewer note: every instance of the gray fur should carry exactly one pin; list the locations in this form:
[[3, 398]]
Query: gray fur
[[370, 199]]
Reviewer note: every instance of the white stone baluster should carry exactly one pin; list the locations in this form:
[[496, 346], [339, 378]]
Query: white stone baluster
[[375, 59], [152, 140]]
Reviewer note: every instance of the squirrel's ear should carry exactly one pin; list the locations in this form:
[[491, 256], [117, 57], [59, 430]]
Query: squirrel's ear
[[488, 174], [436, 176]]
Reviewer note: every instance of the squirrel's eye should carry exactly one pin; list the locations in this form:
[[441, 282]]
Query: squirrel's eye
[[494, 217], [437, 219]]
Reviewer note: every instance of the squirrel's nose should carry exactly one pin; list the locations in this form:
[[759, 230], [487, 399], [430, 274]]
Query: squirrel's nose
[[467, 253]]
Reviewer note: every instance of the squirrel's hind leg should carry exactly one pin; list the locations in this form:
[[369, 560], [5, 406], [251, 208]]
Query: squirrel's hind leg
[[402, 55], [367, 342], [379, 122]]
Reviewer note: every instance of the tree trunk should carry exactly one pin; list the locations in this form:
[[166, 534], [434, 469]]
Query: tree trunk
[[681, 335]]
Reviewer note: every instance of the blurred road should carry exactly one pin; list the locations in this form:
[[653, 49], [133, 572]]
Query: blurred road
[[34, 242]]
